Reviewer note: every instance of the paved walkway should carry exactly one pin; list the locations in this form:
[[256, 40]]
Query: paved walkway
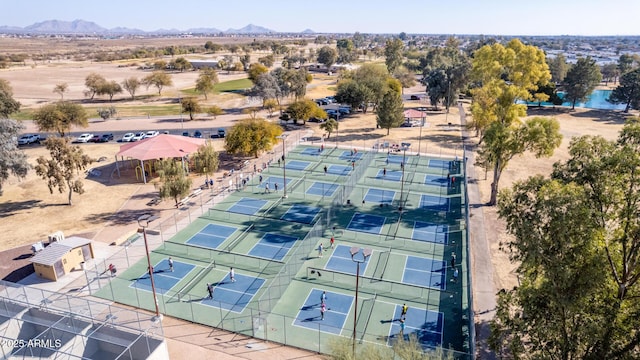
[[483, 288]]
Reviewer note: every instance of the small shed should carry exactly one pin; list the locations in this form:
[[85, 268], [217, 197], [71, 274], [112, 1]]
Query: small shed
[[61, 257]]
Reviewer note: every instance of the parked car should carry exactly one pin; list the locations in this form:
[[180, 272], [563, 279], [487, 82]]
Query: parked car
[[221, 133], [94, 138], [105, 138], [344, 110], [316, 120], [138, 136], [127, 137], [28, 139], [197, 134], [84, 138], [151, 133], [414, 97], [185, 133]]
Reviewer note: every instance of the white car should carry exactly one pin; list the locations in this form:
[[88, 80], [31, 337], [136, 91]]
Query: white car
[[84, 138], [151, 134], [28, 139], [138, 136], [127, 137]]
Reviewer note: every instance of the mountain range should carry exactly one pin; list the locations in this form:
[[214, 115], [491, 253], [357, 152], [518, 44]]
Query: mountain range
[[82, 27]]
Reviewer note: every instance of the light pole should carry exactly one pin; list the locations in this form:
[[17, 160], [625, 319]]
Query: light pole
[[143, 222], [424, 120], [405, 147], [365, 254], [284, 165]]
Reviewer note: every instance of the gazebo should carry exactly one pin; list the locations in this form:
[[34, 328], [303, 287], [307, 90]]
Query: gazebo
[[414, 114], [158, 147]]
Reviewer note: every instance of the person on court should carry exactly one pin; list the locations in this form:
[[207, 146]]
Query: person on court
[[210, 290], [170, 264], [331, 242], [403, 313], [323, 297], [320, 249], [323, 309], [232, 275]]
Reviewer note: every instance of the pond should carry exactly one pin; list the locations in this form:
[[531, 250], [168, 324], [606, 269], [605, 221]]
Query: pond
[[597, 100]]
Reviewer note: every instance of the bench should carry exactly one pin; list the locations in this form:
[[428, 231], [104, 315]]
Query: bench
[[183, 202], [196, 192]]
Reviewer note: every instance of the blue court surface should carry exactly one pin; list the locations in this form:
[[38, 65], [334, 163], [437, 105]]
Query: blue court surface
[[380, 196], [273, 246], [301, 214], [322, 189], [440, 164], [394, 159], [272, 180], [212, 235], [234, 296], [349, 155], [424, 231], [392, 175], [337, 305], [366, 223], [341, 261], [435, 203], [163, 278], [297, 165], [311, 151], [427, 326], [435, 180], [342, 170], [247, 206], [425, 272]]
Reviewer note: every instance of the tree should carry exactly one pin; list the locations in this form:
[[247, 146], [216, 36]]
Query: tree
[[214, 111], [609, 72], [375, 79], [131, 85], [267, 61], [327, 56], [346, 51], [207, 81], [107, 113], [8, 105], [575, 239], [251, 137], [390, 112], [12, 160], [271, 105], [175, 183], [406, 77], [206, 160], [245, 60], [508, 74], [181, 64], [329, 126], [625, 63], [267, 87], [60, 117], [255, 70], [110, 88], [393, 54], [304, 110], [628, 92], [60, 89], [558, 68], [61, 171], [353, 93], [159, 79], [190, 105], [581, 80], [94, 82], [437, 86]]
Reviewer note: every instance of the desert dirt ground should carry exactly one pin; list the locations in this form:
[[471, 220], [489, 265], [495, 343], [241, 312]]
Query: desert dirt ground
[[29, 212]]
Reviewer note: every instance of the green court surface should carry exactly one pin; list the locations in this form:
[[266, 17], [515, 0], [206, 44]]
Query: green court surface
[[405, 208]]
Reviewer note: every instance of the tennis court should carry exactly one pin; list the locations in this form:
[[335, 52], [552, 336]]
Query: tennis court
[[425, 272], [273, 246], [163, 278], [435, 203], [311, 151], [297, 165], [426, 325], [430, 232], [381, 196], [272, 180], [301, 214], [234, 296], [337, 305], [247, 206], [322, 189], [441, 164], [212, 235], [366, 223], [392, 175], [341, 170], [341, 261], [350, 155], [436, 180]]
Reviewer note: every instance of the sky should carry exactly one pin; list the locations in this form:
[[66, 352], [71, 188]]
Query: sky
[[486, 17]]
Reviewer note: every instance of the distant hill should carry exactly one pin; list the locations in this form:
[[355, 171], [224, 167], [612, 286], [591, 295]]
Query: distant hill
[[82, 27], [250, 29], [307, 31]]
